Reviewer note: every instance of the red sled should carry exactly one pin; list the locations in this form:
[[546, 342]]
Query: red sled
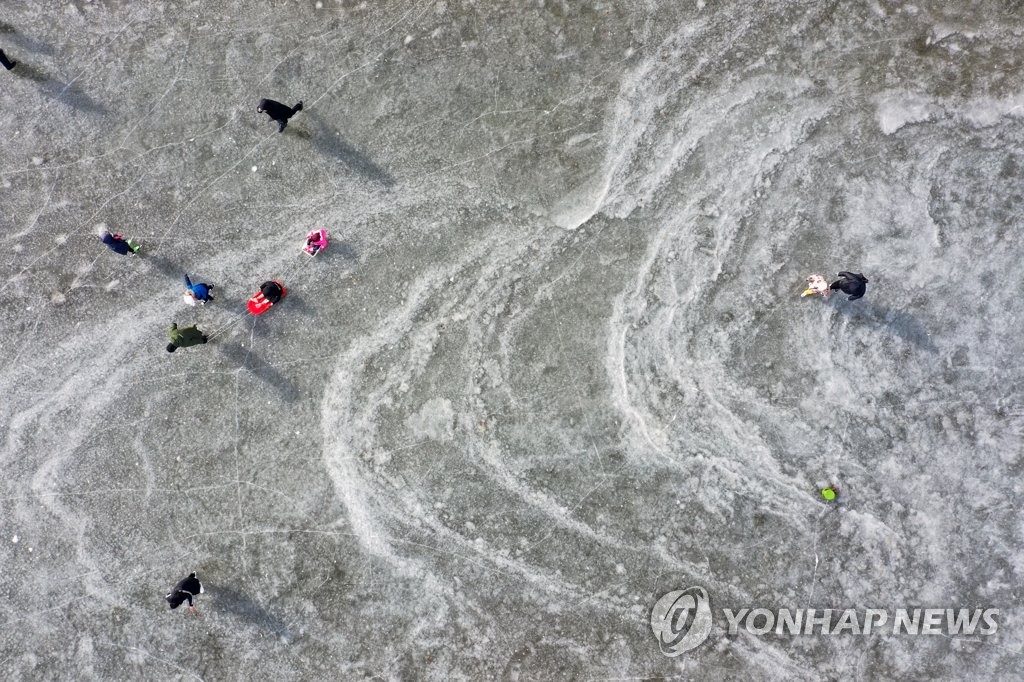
[[260, 303]]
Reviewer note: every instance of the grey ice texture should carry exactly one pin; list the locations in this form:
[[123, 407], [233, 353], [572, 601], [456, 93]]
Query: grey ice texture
[[554, 362]]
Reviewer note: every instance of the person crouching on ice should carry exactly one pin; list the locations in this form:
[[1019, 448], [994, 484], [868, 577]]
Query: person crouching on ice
[[816, 284], [852, 283], [316, 241], [185, 590]]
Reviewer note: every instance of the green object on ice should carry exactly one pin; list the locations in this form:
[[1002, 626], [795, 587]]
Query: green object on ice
[[828, 494]]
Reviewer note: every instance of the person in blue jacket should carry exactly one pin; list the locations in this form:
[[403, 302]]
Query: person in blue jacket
[[199, 292]]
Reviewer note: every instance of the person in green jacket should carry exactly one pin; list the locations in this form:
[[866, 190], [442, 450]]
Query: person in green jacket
[[184, 337]]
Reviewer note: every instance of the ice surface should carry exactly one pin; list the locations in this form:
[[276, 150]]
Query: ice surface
[[554, 362]]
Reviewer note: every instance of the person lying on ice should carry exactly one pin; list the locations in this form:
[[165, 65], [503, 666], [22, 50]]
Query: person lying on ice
[[119, 244]]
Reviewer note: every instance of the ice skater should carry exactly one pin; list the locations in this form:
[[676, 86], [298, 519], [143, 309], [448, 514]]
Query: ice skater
[[277, 111], [185, 337], [185, 590], [197, 293], [852, 283], [7, 63], [316, 241], [119, 244]]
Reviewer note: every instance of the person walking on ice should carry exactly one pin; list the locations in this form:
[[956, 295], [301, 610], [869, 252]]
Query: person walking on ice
[[197, 293], [185, 337], [119, 244], [277, 111], [185, 590]]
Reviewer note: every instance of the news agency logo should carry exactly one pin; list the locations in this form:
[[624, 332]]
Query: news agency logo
[[681, 620]]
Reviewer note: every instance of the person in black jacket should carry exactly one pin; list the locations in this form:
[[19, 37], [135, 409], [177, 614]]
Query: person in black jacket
[[272, 291], [119, 244], [277, 111], [185, 590], [852, 283]]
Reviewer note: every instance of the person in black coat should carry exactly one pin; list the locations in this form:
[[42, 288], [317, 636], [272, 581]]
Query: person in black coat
[[272, 291], [277, 111], [185, 590], [7, 63], [852, 283]]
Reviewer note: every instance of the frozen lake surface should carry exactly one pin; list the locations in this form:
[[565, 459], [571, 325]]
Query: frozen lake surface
[[554, 363]]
